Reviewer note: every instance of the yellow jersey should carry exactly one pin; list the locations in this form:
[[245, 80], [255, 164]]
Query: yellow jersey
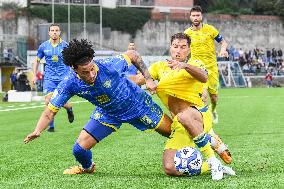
[[202, 44], [176, 83]]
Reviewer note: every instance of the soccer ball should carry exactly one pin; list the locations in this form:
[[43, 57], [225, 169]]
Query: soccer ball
[[188, 160]]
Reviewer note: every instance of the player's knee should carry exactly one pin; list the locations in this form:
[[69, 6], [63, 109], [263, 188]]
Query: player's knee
[[170, 169], [182, 117], [185, 118]]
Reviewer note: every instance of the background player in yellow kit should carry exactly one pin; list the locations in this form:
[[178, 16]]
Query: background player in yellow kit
[[203, 48]]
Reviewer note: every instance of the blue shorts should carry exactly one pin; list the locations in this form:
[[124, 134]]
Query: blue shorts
[[102, 125], [49, 86]]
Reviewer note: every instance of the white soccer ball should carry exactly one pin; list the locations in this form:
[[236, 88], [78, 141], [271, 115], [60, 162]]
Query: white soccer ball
[[188, 160]]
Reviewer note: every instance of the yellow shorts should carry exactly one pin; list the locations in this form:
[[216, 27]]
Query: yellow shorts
[[180, 138], [213, 80]]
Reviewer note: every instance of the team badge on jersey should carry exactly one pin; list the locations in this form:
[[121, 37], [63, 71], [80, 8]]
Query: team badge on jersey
[[145, 119], [102, 99], [107, 84], [54, 58], [97, 115]]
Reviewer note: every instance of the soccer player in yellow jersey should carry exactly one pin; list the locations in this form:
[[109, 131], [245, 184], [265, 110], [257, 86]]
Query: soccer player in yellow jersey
[[203, 49], [180, 88]]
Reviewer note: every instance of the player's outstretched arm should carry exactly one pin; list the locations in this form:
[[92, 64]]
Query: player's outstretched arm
[[35, 68], [43, 122], [138, 62], [223, 51], [138, 79]]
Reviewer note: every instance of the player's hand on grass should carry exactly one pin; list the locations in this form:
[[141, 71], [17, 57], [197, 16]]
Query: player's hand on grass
[[32, 136], [151, 86]]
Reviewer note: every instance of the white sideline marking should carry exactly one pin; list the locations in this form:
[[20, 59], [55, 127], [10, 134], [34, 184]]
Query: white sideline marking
[[32, 107]]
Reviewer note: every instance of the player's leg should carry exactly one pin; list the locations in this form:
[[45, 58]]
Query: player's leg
[[220, 147], [178, 139], [69, 111], [46, 101], [164, 126], [169, 166], [48, 88], [192, 120], [168, 163], [153, 119], [93, 132], [214, 102], [213, 86], [216, 143]]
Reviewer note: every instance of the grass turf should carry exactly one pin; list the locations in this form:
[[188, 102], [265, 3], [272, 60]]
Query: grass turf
[[251, 122]]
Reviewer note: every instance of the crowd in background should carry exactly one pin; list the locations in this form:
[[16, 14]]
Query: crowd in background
[[258, 61]]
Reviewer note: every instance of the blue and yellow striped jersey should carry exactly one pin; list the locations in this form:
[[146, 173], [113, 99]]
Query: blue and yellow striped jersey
[[54, 69], [112, 92]]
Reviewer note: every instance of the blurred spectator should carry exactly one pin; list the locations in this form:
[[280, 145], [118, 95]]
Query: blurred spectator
[[23, 83], [236, 55], [10, 54], [6, 54], [280, 53], [268, 79], [274, 56], [39, 81], [13, 80]]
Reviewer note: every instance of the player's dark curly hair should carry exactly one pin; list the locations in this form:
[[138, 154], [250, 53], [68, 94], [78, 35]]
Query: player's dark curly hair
[[181, 36], [78, 53]]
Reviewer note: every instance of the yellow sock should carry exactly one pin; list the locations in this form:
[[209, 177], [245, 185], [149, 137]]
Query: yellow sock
[[207, 151], [204, 168]]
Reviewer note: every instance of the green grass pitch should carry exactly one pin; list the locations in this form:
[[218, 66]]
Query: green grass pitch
[[251, 122]]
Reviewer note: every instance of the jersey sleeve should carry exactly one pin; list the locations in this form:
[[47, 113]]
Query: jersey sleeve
[[187, 31], [61, 95], [153, 70], [216, 35], [40, 52], [132, 70], [120, 63]]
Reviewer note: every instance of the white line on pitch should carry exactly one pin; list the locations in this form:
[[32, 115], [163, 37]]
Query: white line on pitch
[[32, 107]]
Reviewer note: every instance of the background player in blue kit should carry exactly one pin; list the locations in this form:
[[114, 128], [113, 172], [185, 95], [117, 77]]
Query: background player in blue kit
[[55, 70], [118, 100]]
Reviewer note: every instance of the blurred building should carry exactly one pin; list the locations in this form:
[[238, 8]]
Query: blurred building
[[72, 2], [157, 5], [19, 3]]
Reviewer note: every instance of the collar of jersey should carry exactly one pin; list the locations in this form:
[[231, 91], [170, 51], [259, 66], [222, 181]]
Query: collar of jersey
[[54, 45], [198, 29], [97, 69]]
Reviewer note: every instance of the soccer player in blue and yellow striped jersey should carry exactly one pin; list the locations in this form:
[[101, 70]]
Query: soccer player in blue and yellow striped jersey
[[117, 99], [202, 48], [55, 70]]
